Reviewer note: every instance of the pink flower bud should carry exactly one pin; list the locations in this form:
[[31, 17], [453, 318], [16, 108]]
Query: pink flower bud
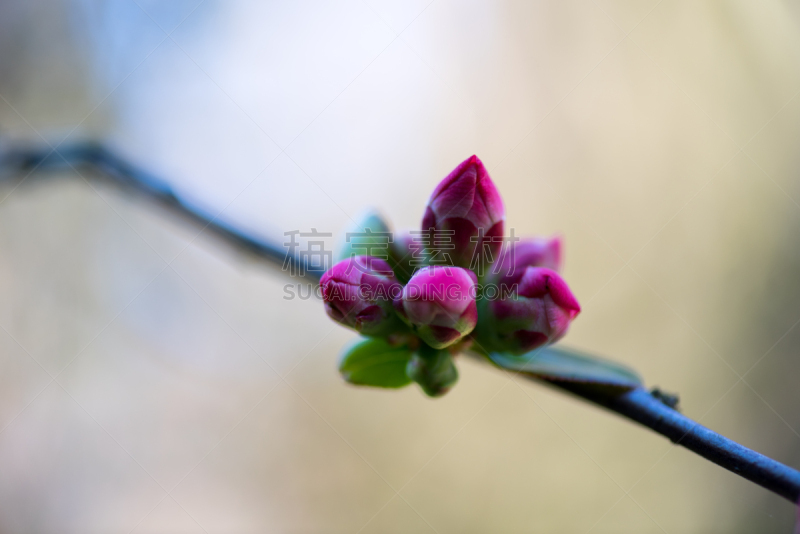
[[533, 252], [467, 204], [359, 292], [538, 311], [439, 303]]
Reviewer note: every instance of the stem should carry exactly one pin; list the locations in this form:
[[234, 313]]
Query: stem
[[642, 407], [637, 405], [120, 173]]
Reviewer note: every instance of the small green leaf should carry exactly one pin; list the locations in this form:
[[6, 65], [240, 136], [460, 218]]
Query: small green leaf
[[370, 235], [374, 362], [566, 365]]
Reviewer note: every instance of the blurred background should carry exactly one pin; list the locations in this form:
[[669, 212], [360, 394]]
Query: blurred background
[[152, 380]]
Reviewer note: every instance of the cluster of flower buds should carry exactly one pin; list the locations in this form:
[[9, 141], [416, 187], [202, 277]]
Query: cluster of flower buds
[[439, 308]]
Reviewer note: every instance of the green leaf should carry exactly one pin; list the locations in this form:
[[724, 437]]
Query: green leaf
[[566, 365], [371, 234], [374, 362]]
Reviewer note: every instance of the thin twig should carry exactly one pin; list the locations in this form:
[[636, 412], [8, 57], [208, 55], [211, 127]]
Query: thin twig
[[642, 407], [638, 404], [115, 170]]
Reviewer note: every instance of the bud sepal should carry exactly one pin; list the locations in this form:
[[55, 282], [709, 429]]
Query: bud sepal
[[433, 369]]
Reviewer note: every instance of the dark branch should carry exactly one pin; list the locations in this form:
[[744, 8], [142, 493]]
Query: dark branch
[[17, 164], [638, 404], [641, 406]]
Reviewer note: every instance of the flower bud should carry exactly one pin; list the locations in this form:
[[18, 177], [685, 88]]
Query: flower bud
[[466, 205], [538, 311], [532, 252], [439, 303], [359, 292]]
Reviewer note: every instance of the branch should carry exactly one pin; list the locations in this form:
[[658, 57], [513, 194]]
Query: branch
[[648, 409], [23, 165], [641, 406]]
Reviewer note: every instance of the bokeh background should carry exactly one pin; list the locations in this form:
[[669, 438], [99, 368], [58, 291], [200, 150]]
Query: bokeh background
[[152, 380]]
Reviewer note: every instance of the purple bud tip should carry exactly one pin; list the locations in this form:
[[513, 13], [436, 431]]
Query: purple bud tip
[[532, 252], [542, 282], [467, 192], [467, 204]]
